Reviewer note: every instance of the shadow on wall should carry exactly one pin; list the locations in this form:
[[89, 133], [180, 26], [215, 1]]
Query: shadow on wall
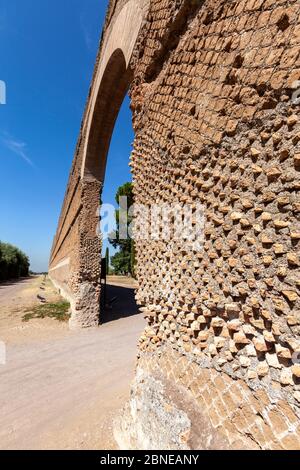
[[120, 303]]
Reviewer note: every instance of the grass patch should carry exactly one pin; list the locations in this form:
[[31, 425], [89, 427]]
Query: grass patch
[[59, 311]]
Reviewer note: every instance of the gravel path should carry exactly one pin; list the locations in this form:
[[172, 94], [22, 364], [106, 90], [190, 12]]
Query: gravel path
[[63, 392]]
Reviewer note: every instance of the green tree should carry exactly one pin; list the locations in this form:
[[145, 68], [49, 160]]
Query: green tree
[[132, 259], [125, 190], [123, 261], [107, 260], [13, 262]]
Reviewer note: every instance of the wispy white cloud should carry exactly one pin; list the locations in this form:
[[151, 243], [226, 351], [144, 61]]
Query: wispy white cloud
[[87, 37], [17, 147]]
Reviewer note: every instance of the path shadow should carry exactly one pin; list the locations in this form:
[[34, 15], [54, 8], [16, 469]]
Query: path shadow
[[120, 303], [12, 282]]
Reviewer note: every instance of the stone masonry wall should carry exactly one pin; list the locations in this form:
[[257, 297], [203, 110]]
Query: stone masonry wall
[[75, 260], [177, 403], [75, 239], [215, 122]]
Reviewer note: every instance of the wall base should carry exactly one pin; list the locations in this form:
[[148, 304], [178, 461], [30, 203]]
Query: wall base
[[161, 416], [85, 305], [86, 308], [177, 404]]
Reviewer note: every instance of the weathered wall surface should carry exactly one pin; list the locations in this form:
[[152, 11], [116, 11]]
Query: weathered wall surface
[[215, 122], [75, 260], [218, 125]]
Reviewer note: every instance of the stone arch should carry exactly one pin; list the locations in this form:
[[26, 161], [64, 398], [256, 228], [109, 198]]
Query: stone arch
[[221, 349], [75, 265], [112, 91], [111, 83]]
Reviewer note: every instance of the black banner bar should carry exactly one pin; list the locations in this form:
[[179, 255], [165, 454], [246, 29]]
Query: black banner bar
[[136, 459]]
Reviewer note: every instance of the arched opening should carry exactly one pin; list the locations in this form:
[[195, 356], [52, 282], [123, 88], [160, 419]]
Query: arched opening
[[75, 263], [110, 132], [111, 94], [119, 299]]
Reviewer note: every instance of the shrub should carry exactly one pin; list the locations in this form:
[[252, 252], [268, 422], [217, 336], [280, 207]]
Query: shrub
[[13, 262]]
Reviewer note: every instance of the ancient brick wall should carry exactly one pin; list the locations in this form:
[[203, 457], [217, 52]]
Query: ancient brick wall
[[219, 125], [75, 260], [216, 120]]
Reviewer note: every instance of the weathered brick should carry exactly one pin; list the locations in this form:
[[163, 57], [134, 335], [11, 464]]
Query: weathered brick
[[215, 124]]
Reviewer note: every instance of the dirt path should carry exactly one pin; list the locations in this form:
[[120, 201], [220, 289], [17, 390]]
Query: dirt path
[[122, 281], [62, 392], [15, 299]]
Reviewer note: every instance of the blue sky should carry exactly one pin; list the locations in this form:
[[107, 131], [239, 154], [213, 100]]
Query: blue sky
[[48, 50]]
